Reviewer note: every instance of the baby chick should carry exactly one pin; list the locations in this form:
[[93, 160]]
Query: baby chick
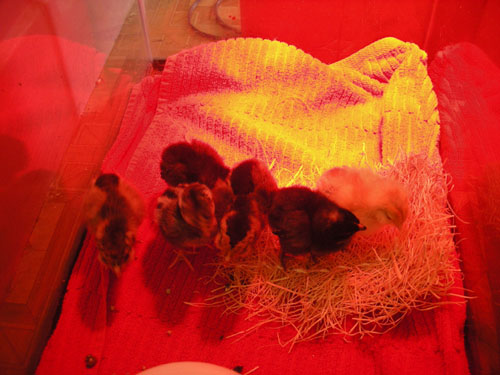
[[374, 199], [113, 212], [252, 176], [223, 198], [240, 228], [186, 215], [185, 163], [306, 221]]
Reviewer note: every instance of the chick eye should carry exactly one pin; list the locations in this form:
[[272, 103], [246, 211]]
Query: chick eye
[[170, 194], [388, 216]]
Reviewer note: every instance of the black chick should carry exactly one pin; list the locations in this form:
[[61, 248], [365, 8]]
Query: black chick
[[186, 215], [240, 228], [306, 221], [185, 163], [113, 211]]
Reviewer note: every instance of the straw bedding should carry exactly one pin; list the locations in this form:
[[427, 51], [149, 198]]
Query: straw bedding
[[366, 289]]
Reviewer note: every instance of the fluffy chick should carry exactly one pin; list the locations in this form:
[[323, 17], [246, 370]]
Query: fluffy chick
[[252, 176], [113, 212], [185, 163], [186, 215], [375, 200], [223, 197], [306, 221], [240, 228]]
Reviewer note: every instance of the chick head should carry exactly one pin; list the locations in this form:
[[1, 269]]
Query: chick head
[[336, 226], [197, 205], [390, 207], [107, 181], [186, 214]]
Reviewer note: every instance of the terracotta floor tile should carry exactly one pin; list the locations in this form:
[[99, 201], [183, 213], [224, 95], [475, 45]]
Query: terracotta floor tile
[[75, 176], [46, 225], [92, 134], [26, 275]]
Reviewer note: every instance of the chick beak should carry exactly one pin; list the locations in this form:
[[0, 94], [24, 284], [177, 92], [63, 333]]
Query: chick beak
[[361, 227], [399, 223]]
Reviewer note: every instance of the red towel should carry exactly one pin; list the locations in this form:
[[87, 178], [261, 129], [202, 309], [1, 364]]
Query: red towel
[[468, 88], [133, 322]]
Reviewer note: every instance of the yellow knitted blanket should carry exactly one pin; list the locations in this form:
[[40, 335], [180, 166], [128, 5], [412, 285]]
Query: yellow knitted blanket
[[254, 97]]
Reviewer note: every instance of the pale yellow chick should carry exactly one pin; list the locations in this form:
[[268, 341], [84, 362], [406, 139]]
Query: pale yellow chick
[[375, 200]]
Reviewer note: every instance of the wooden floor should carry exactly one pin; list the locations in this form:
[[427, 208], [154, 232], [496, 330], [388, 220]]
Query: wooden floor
[[27, 315]]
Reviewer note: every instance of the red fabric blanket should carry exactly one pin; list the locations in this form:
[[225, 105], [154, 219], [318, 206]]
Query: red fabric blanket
[[141, 320], [468, 87]]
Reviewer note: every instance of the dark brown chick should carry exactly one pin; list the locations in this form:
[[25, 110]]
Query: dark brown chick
[[185, 163], [252, 176], [113, 212], [223, 198], [186, 215], [306, 221], [240, 228]]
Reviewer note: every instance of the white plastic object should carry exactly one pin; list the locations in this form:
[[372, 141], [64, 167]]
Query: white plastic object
[[188, 368]]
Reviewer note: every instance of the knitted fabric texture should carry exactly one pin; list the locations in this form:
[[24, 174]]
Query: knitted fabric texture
[[264, 99], [271, 100]]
